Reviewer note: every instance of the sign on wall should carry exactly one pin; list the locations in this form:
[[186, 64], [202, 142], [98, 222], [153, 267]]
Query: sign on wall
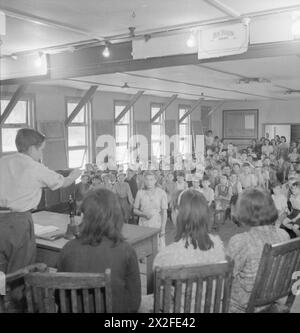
[[223, 40]]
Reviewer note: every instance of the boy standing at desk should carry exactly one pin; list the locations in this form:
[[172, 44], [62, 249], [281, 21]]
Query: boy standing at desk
[[22, 178]]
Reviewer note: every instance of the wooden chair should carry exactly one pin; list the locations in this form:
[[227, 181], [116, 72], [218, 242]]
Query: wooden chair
[[194, 289], [69, 292], [8, 303], [274, 277]]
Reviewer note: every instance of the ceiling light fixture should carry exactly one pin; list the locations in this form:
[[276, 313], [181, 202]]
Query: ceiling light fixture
[[38, 61], [192, 40], [296, 25], [249, 80], [106, 52], [147, 37], [292, 91]]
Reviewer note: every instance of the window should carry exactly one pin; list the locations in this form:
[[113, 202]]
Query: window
[[157, 132], [79, 135], [185, 139], [123, 132], [21, 116]]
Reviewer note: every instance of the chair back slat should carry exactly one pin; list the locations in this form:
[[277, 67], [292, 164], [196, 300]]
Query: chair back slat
[[188, 295], [209, 289], [98, 305], [49, 302], [227, 286], [86, 301], [199, 290], [69, 292], [62, 300], [74, 303], [274, 276], [178, 294], [193, 288], [218, 294], [167, 296]]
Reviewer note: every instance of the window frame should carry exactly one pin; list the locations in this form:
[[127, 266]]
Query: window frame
[[129, 126], [88, 130], [188, 124], [30, 117], [160, 121]]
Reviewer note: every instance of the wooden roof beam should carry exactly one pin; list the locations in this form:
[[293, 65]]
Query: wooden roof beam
[[12, 103], [215, 108], [164, 107], [194, 107], [84, 100], [129, 105]]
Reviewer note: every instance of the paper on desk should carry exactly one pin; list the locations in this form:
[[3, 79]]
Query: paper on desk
[[41, 229]]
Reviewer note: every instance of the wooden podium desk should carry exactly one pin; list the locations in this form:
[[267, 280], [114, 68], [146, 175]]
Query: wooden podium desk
[[144, 240]]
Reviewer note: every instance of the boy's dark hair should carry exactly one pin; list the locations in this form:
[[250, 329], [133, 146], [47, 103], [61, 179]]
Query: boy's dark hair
[[27, 137], [246, 165], [205, 178], [102, 218], [256, 207]]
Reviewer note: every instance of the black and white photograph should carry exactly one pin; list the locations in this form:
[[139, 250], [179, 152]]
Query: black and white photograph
[[149, 159]]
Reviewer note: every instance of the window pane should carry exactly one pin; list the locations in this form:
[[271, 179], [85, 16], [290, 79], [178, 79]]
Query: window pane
[[18, 114], [8, 139], [118, 110], [122, 154], [183, 130], [156, 132], [80, 117], [76, 136], [154, 110], [156, 149], [182, 112], [77, 158], [122, 134]]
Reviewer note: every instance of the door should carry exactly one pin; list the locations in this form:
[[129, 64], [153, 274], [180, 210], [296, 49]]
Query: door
[[277, 129]]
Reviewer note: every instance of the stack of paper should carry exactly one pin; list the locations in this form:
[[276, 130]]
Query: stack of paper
[[40, 230]]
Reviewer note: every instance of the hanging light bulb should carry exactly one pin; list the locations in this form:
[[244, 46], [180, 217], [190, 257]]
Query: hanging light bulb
[[192, 41], [296, 24], [106, 52], [296, 28], [38, 61]]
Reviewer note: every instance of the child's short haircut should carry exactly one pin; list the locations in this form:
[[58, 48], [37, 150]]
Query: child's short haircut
[[27, 137], [246, 165], [205, 178], [180, 174]]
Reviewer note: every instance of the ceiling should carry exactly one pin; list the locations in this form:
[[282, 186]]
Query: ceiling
[[38, 24]]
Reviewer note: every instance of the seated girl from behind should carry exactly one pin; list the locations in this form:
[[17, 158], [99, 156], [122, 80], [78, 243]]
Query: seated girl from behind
[[255, 210], [193, 244], [101, 245]]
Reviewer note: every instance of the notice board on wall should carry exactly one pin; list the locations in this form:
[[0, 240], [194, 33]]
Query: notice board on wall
[[240, 124]]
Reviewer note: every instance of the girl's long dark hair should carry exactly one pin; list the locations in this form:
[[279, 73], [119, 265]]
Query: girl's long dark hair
[[102, 217], [192, 221]]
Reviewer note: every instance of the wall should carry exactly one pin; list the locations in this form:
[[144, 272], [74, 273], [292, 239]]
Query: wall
[[270, 111]]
